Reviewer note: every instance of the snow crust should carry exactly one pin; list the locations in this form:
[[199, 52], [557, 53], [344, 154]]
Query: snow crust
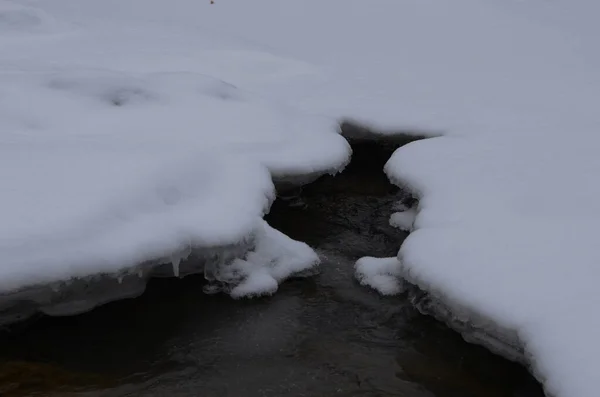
[[109, 109]]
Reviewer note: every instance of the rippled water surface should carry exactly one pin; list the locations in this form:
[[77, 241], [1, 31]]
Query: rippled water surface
[[323, 336]]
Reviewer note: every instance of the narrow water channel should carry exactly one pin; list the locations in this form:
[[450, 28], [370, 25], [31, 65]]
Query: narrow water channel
[[322, 336]]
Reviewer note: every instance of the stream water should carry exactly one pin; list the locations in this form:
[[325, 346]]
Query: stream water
[[321, 336]]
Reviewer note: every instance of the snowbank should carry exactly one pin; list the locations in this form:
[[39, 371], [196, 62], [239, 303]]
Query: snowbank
[[492, 235], [104, 170], [113, 161]]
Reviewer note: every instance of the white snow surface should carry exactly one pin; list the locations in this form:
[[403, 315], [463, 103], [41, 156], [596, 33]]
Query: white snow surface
[[404, 220], [382, 274], [217, 94], [117, 146]]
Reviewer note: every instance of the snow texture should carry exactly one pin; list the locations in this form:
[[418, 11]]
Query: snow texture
[[274, 258], [110, 157], [508, 209], [130, 130], [381, 274], [404, 220]]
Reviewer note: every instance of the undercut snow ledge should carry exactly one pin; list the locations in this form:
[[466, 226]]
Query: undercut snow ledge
[[253, 267], [107, 173], [122, 174], [473, 326], [499, 259]]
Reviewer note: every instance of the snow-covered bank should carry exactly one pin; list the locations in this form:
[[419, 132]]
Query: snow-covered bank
[[491, 238], [252, 267], [489, 254], [112, 163], [388, 276], [92, 184]]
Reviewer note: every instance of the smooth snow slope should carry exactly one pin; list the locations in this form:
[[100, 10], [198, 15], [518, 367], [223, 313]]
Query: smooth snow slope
[[507, 209], [110, 156]]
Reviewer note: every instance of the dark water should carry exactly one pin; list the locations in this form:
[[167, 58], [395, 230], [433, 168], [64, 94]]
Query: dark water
[[323, 336]]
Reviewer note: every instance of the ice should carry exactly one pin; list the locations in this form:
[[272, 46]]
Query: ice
[[175, 264], [381, 274]]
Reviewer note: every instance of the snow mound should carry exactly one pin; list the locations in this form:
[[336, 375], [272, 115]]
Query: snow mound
[[275, 258], [381, 274], [404, 220]]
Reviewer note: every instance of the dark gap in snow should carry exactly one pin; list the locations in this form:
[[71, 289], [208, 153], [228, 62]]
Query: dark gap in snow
[[364, 176], [356, 131], [473, 327]]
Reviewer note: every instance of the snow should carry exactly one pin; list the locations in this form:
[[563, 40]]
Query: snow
[[381, 274], [274, 258], [404, 220], [130, 130], [109, 158], [508, 231]]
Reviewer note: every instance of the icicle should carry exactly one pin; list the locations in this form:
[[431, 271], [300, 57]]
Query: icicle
[[175, 263], [140, 273], [120, 279], [186, 252]]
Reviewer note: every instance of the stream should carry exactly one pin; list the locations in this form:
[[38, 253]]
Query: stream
[[320, 336]]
